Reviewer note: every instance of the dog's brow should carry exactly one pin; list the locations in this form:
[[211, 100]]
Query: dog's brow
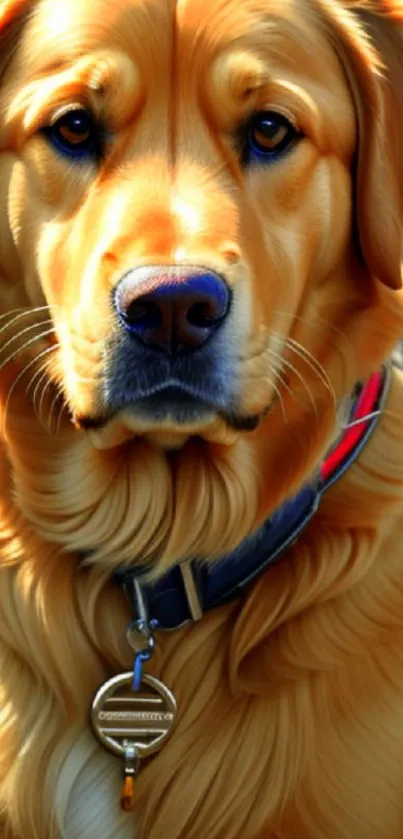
[[62, 33]]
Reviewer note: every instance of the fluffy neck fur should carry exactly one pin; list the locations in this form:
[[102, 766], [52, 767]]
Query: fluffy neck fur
[[251, 679], [270, 665]]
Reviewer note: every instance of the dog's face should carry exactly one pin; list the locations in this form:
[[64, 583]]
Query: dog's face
[[195, 193]]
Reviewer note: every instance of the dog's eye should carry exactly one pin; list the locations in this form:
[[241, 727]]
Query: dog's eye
[[75, 134], [269, 135]]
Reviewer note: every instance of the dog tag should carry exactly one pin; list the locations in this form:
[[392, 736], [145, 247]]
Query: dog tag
[[133, 724]]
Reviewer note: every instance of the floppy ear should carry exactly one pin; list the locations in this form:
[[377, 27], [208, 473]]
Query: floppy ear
[[368, 38]]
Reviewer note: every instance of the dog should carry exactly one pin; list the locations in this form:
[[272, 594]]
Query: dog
[[201, 306]]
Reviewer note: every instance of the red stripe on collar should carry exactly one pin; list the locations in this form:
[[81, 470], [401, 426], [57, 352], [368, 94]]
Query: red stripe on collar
[[367, 404]]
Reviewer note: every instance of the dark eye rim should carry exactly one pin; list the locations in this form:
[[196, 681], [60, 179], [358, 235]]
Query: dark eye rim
[[252, 150], [91, 147]]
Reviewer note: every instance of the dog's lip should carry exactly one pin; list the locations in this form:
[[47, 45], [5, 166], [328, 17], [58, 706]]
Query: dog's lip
[[173, 394], [139, 423], [97, 422], [109, 430], [173, 388], [125, 427]]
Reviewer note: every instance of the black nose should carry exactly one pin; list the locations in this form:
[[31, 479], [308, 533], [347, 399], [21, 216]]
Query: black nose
[[173, 309]]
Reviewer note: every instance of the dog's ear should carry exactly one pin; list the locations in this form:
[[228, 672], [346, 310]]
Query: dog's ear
[[367, 36]]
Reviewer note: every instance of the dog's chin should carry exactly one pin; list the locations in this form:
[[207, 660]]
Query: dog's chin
[[168, 422], [168, 435]]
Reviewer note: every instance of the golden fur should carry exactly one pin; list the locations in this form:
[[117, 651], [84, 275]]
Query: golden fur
[[291, 699]]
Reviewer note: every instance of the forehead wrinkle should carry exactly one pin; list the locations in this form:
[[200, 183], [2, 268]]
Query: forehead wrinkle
[[59, 33], [271, 30], [228, 21]]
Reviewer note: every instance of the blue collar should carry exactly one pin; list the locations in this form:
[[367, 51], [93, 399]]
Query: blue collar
[[190, 589]]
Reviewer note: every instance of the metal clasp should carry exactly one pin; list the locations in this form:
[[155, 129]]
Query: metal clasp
[[144, 628], [131, 758]]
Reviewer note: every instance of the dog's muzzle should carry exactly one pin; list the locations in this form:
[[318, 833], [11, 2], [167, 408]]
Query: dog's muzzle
[[170, 358]]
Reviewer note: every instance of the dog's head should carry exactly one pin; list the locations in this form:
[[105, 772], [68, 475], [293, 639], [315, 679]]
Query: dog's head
[[210, 206]]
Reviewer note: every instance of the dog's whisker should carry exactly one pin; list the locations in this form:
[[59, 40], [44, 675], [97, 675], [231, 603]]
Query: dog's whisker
[[280, 377], [27, 344], [43, 375], [64, 404], [313, 324], [33, 378], [39, 375], [56, 396], [309, 359], [318, 323], [29, 310], [45, 388], [280, 396], [298, 375], [47, 422], [25, 331], [20, 375], [22, 313]]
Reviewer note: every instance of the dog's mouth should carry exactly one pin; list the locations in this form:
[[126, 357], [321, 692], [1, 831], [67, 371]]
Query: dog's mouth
[[168, 416], [171, 403], [168, 400]]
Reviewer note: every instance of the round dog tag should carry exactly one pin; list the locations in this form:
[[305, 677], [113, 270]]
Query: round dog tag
[[143, 718]]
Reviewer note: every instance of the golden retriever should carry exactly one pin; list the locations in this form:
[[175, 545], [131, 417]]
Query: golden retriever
[[200, 260]]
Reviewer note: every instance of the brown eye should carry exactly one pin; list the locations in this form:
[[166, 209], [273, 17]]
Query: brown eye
[[270, 134], [75, 130], [75, 134]]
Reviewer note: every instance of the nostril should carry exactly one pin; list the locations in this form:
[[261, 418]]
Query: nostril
[[142, 314], [204, 314], [175, 310]]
